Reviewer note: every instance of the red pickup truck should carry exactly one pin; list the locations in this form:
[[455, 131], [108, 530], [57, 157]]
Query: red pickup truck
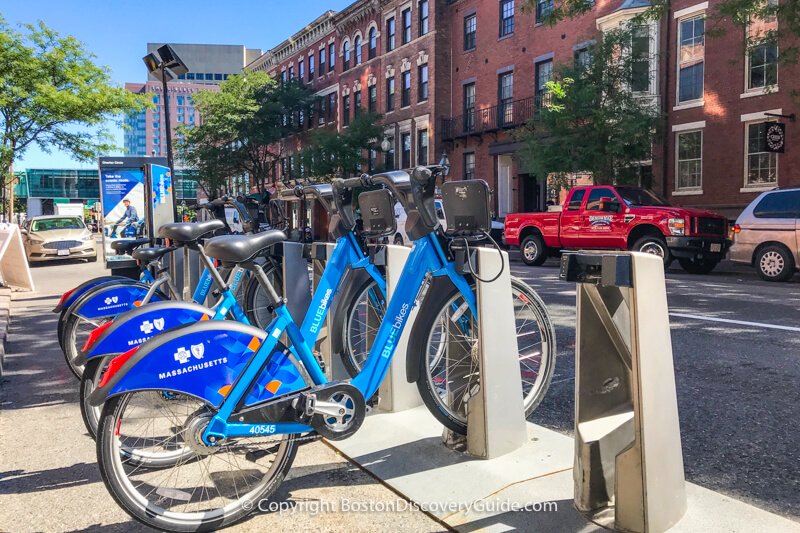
[[621, 218]]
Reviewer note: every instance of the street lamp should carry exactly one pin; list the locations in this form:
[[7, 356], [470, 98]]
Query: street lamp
[[166, 65]]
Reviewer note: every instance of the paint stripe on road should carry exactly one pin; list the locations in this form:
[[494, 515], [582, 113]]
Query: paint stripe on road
[[737, 322]]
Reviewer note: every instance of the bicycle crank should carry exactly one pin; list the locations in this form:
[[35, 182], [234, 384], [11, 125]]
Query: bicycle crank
[[335, 411]]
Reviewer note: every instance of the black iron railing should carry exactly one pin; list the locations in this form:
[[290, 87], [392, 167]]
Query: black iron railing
[[499, 117]]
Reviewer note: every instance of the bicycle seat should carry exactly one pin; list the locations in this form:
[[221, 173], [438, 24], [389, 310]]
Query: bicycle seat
[[241, 248], [189, 231], [126, 247], [151, 254]]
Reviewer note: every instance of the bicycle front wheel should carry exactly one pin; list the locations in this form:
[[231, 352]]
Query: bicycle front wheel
[[445, 333], [207, 490]]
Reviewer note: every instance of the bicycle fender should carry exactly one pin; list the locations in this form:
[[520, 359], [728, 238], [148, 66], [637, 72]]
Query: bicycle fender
[[81, 289], [202, 360], [138, 325], [112, 300], [67, 309]]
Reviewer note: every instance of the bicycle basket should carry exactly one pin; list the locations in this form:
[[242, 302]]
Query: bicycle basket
[[466, 207], [377, 213]]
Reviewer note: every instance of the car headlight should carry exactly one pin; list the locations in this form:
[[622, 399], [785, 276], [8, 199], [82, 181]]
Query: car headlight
[[34, 240], [87, 238], [677, 226]]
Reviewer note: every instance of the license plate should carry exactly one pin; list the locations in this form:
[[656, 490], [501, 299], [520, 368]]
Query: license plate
[[63, 252], [716, 247]]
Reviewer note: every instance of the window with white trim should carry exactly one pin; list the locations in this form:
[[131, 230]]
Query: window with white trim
[[689, 166], [762, 52], [691, 58], [761, 167]]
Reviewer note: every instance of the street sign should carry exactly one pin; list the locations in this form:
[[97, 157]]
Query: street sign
[[776, 137]]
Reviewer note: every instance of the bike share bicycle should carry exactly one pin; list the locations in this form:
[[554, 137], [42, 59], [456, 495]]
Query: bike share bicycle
[[240, 400]]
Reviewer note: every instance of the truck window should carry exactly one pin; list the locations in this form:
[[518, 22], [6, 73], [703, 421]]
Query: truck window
[[593, 204], [576, 200], [779, 205]]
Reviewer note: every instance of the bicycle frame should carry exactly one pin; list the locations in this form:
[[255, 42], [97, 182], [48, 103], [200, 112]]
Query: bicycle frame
[[427, 258]]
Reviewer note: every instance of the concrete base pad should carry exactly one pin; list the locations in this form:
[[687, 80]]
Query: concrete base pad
[[530, 489]]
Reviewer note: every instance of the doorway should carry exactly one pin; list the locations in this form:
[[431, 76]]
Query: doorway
[[505, 204]]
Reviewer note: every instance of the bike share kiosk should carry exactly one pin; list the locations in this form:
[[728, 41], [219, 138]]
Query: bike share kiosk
[[137, 197], [628, 463]]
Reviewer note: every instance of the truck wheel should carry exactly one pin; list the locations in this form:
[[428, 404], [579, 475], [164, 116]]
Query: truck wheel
[[533, 250], [775, 263], [651, 244], [697, 266]]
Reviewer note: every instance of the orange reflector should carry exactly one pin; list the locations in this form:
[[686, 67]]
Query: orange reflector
[[273, 386], [137, 303], [204, 317], [254, 344], [224, 390]]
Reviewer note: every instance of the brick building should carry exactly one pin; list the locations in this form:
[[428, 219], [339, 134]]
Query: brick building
[[456, 77]]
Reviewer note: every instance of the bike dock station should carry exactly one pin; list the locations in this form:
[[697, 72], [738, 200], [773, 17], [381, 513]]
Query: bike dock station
[[625, 469]]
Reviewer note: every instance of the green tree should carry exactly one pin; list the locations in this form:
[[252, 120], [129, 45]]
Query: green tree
[[329, 154], [53, 95], [242, 129], [591, 120]]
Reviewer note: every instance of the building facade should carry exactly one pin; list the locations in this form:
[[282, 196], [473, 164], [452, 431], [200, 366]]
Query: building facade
[[209, 63], [458, 77]]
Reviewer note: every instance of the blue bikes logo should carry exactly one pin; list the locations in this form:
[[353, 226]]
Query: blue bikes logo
[[397, 326], [320, 312]]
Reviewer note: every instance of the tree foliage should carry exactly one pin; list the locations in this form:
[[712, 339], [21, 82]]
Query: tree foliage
[[54, 96], [591, 120], [242, 128], [329, 154]]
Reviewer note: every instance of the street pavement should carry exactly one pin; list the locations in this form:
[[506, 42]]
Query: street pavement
[[49, 480], [736, 347], [737, 392]]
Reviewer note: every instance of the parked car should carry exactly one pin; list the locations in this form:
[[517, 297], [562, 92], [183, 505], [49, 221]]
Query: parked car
[[767, 234], [603, 217], [401, 238], [50, 238]]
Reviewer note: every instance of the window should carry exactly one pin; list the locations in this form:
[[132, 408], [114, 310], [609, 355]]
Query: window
[[762, 51], [217, 77], [640, 58], [372, 104], [209, 76], [422, 10], [470, 31], [181, 100], [390, 94], [690, 160], [544, 74], [372, 156], [422, 147], [322, 62], [406, 26], [469, 107], [323, 110], [761, 166], [543, 9], [310, 68], [391, 34], [405, 140], [691, 57], [346, 110], [190, 75], [346, 53], [283, 77], [357, 46], [469, 166], [595, 197], [388, 160], [357, 102], [505, 99], [156, 99], [373, 43], [784, 204], [583, 58], [422, 83], [331, 107], [331, 57], [506, 17], [405, 90], [576, 200], [291, 73]]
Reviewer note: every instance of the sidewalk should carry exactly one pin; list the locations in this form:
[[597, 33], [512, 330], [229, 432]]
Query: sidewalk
[[48, 477]]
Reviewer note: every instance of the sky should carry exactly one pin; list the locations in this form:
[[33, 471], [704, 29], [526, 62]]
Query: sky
[[117, 32]]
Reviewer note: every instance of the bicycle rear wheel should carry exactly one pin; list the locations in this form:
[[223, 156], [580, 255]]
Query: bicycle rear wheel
[[207, 490], [256, 304], [445, 333]]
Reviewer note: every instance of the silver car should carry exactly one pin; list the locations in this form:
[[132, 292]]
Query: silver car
[[767, 235], [50, 238]]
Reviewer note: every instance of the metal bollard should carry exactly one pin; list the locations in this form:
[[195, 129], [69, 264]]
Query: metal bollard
[[495, 415], [628, 461], [396, 393]]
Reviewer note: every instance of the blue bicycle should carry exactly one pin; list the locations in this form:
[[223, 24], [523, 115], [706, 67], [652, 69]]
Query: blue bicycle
[[230, 403]]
